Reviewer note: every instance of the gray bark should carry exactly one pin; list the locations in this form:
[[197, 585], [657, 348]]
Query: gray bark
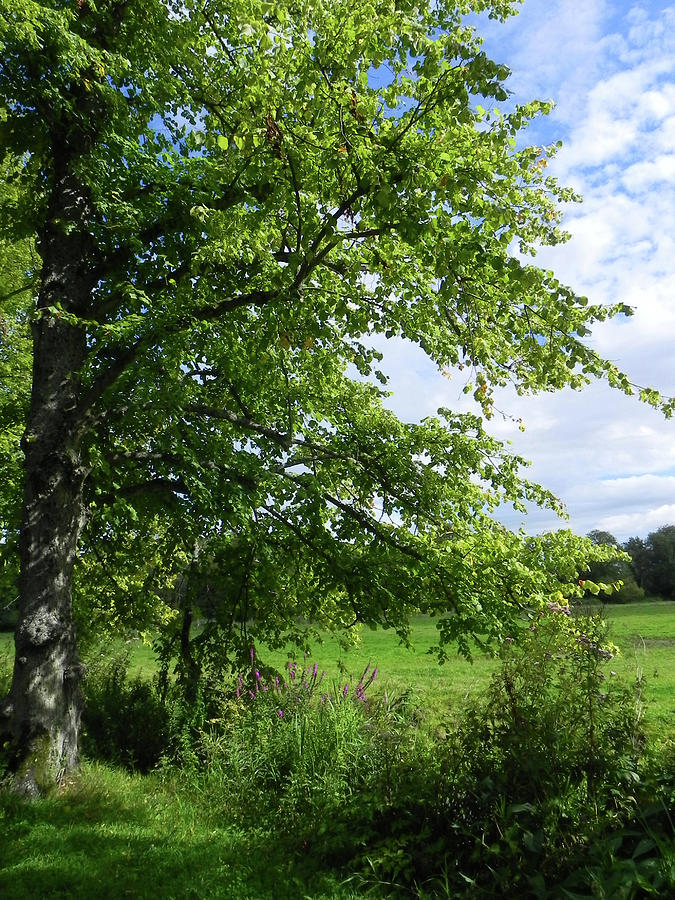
[[41, 715]]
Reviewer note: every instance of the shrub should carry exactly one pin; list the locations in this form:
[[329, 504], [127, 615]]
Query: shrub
[[535, 770], [629, 593], [290, 747], [549, 757], [125, 721]]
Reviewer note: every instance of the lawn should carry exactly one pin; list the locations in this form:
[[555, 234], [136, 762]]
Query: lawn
[[112, 834], [644, 633]]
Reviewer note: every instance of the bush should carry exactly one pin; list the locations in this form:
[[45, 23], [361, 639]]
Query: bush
[[537, 769], [125, 721], [549, 757], [629, 593], [289, 747]]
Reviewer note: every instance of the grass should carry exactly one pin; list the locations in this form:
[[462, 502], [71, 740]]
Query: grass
[[109, 834], [644, 633]]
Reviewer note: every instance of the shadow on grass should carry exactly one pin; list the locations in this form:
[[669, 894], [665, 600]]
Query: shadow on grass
[[109, 835]]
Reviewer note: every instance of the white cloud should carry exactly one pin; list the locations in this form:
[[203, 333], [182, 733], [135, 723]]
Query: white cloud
[[611, 68]]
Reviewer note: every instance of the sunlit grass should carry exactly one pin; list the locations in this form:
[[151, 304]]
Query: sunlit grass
[[109, 834], [644, 633]]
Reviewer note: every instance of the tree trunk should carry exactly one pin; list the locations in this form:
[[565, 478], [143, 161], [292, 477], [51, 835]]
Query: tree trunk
[[41, 715], [44, 703]]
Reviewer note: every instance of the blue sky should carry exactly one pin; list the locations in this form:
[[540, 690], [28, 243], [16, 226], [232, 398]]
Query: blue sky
[[610, 67]]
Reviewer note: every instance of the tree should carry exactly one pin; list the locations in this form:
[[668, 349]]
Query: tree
[[638, 551], [660, 576], [228, 200], [613, 570]]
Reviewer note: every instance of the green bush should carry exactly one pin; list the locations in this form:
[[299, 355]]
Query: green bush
[[537, 769], [629, 593], [292, 747], [125, 721]]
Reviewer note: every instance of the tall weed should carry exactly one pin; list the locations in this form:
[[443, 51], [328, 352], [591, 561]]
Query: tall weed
[[125, 721]]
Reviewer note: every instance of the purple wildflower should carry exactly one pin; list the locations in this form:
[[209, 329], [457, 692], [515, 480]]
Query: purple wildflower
[[315, 670], [345, 690], [281, 713]]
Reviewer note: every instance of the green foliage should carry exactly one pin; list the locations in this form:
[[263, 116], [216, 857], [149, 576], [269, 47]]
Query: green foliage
[[347, 796], [610, 574], [554, 701], [629, 592], [533, 772], [654, 561], [18, 286], [229, 207], [125, 721]]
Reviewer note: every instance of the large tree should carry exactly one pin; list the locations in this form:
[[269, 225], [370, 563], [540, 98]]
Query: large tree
[[229, 200]]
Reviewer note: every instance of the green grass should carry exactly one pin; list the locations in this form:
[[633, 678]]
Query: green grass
[[110, 835], [644, 633]]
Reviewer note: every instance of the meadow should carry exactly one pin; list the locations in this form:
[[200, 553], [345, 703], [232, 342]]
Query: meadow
[[322, 806]]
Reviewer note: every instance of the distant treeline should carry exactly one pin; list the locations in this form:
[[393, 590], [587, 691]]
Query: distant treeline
[[650, 572]]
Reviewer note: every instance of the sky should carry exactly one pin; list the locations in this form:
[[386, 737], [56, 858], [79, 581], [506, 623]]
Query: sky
[[609, 66]]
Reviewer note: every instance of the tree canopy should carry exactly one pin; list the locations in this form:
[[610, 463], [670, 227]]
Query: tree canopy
[[229, 200]]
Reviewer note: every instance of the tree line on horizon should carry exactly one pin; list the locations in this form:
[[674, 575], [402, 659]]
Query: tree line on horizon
[[650, 571]]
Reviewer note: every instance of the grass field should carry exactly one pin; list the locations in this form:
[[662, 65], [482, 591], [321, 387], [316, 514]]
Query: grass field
[[644, 633], [112, 834]]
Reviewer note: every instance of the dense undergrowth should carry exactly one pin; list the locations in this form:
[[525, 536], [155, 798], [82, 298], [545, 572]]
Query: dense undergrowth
[[545, 786]]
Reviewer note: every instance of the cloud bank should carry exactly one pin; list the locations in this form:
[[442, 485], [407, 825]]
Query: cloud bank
[[610, 67]]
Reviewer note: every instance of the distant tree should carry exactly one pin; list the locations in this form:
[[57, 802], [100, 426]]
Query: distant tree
[[610, 571], [661, 568], [639, 553]]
